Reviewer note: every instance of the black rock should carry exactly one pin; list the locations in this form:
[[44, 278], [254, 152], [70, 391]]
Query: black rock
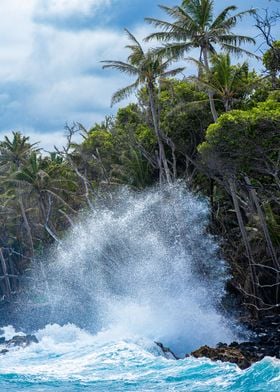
[[221, 345], [22, 341], [265, 341], [233, 344], [169, 354]]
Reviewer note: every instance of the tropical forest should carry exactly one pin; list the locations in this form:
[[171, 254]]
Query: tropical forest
[[196, 129]]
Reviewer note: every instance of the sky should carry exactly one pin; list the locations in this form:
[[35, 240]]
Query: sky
[[50, 53]]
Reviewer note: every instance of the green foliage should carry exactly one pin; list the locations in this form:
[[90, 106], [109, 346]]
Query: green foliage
[[241, 141], [15, 152], [167, 134], [131, 125], [193, 25], [37, 193], [230, 83], [271, 58], [184, 116]]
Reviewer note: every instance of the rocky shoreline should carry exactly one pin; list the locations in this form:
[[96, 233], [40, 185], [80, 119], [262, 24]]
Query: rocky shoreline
[[16, 341], [265, 342]]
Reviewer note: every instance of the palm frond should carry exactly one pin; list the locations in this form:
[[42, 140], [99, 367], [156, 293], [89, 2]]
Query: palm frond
[[204, 13], [177, 13], [167, 27], [173, 72], [120, 66], [220, 19], [133, 39], [125, 92], [170, 36], [236, 39], [230, 22], [174, 51], [238, 51]]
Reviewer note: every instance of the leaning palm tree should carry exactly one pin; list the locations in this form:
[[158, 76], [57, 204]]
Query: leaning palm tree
[[148, 68], [193, 25]]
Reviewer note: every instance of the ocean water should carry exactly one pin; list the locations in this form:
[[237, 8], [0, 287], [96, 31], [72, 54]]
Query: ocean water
[[139, 269], [69, 359]]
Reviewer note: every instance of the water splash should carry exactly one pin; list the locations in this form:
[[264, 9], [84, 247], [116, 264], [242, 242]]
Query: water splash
[[143, 269], [144, 266], [68, 358]]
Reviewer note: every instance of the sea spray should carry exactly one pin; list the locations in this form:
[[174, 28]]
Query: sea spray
[[71, 359], [144, 266], [140, 270]]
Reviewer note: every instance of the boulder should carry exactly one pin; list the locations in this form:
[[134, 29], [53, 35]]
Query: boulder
[[167, 353], [21, 341], [265, 343], [17, 341], [224, 354]]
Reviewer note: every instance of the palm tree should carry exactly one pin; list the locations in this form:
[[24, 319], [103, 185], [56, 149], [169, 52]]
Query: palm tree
[[42, 181], [148, 68], [195, 26], [15, 152], [227, 82]]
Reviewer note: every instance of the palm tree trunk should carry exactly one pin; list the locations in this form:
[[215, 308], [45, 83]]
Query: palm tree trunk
[[162, 157], [27, 225], [263, 224], [5, 275], [210, 92], [242, 228], [267, 237], [46, 212], [227, 105]]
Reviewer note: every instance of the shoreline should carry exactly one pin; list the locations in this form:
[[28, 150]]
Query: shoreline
[[265, 342]]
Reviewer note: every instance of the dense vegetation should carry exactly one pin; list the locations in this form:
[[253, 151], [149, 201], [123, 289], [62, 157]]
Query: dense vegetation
[[218, 131]]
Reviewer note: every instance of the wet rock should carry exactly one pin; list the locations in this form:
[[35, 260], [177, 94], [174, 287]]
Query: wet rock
[[169, 354], [17, 341], [21, 341], [265, 343], [234, 344], [224, 354], [221, 345]]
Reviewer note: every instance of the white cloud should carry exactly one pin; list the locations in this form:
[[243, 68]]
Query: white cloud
[[16, 31], [65, 72], [65, 8], [62, 53], [50, 76]]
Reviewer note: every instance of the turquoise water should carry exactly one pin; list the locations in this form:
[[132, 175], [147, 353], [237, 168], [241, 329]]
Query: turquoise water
[[70, 359], [147, 270]]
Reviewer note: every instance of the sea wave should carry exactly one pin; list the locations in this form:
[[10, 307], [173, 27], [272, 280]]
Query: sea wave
[[68, 358]]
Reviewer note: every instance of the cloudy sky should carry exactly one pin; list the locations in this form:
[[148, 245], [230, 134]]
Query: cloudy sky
[[50, 53]]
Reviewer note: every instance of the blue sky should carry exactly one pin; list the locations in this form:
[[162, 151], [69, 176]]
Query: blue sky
[[50, 53]]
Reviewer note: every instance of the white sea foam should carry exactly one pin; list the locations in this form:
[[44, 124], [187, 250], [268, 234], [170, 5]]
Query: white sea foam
[[70, 358], [144, 269]]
